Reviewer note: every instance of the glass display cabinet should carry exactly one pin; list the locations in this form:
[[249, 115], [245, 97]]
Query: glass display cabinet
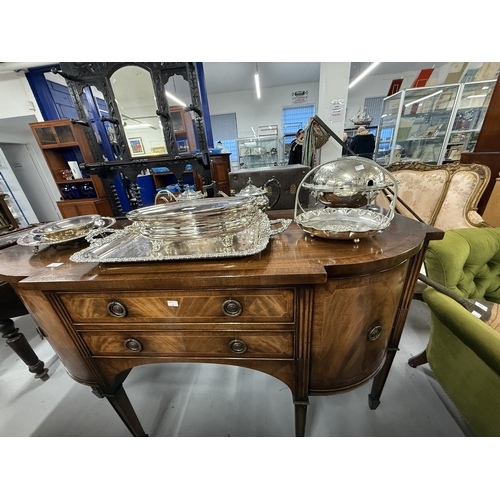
[[414, 124], [472, 104], [258, 152], [432, 124]]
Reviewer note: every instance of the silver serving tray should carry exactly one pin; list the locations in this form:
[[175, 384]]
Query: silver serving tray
[[35, 238], [129, 245], [342, 223]]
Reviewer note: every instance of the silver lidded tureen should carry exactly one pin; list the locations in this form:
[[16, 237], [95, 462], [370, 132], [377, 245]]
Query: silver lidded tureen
[[344, 190]]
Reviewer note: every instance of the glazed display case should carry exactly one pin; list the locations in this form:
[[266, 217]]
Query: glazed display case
[[414, 124], [472, 104], [258, 152], [432, 124]]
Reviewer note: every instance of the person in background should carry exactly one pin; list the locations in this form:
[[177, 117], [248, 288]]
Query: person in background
[[295, 156], [347, 141], [363, 143]]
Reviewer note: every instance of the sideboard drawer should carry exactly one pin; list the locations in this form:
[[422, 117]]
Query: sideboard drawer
[[193, 306], [219, 344]]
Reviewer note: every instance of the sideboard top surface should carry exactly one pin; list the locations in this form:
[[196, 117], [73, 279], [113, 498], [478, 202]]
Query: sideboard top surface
[[292, 258]]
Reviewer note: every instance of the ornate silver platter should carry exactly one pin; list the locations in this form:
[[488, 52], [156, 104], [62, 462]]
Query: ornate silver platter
[[66, 231], [198, 218], [130, 245], [342, 223]]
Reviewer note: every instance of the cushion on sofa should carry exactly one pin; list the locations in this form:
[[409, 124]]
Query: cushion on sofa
[[467, 261], [459, 199]]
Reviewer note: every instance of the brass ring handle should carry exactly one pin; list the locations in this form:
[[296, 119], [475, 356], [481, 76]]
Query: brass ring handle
[[374, 333], [238, 346], [232, 308], [133, 345], [117, 309]]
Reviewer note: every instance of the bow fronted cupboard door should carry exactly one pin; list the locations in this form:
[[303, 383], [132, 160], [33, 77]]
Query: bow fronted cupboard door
[[65, 147]]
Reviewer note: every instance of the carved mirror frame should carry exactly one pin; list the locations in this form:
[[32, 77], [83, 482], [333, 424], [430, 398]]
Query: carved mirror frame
[[83, 75]]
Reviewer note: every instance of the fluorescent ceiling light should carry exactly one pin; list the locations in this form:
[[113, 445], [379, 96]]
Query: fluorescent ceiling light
[[257, 85], [365, 72], [178, 101], [477, 95], [424, 98], [139, 125]]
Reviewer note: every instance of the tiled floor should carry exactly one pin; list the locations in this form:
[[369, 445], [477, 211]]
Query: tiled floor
[[216, 400]]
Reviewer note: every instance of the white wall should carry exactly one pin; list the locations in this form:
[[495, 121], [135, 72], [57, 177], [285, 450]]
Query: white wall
[[15, 96], [252, 112], [378, 86], [16, 101]]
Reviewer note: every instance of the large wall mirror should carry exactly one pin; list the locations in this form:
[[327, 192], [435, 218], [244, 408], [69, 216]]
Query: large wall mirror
[[146, 106], [136, 104]]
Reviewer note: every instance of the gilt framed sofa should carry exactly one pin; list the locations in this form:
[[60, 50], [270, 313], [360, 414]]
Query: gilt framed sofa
[[443, 196]]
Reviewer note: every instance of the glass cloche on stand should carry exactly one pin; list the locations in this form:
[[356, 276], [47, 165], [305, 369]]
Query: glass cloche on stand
[[344, 190]]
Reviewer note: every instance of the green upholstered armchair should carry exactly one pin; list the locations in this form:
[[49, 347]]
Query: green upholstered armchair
[[463, 351]]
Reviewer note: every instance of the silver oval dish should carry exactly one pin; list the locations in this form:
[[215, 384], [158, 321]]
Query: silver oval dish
[[34, 239], [66, 229], [198, 218], [195, 208]]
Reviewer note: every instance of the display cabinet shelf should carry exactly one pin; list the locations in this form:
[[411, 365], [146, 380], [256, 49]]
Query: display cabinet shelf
[[63, 141]]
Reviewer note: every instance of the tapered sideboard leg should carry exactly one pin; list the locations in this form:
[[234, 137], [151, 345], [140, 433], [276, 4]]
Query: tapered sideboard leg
[[123, 407], [300, 417], [18, 343]]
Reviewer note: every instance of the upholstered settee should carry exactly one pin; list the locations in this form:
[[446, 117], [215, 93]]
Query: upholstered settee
[[464, 351], [443, 196]]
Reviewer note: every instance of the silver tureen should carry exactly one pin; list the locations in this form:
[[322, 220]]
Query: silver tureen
[[342, 193]]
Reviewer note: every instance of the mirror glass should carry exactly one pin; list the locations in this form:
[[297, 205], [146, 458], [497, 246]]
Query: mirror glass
[[178, 88], [134, 96], [178, 97]]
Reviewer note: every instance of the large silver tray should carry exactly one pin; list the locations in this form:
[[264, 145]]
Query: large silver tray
[[342, 223], [129, 245]]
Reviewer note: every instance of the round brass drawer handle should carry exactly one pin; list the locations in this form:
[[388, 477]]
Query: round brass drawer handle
[[232, 308], [374, 333], [117, 309], [133, 345], [238, 346]]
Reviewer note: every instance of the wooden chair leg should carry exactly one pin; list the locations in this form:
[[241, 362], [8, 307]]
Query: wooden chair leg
[[18, 343], [419, 359]]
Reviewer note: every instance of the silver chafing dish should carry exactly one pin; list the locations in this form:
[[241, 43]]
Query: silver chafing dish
[[343, 191]]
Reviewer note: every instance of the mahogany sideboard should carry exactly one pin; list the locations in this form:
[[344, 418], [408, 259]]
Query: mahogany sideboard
[[323, 316]]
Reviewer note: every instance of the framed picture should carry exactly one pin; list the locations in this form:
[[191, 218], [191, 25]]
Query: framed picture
[[136, 146]]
